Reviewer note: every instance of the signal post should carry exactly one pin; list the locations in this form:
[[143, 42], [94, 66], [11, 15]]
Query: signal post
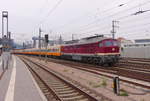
[[46, 44]]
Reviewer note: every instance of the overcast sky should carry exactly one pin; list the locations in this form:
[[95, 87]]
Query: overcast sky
[[79, 17]]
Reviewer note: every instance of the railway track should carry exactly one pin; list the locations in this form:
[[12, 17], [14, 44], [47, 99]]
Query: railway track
[[135, 67], [136, 64], [130, 72], [136, 59], [132, 61], [57, 88], [116, 71]]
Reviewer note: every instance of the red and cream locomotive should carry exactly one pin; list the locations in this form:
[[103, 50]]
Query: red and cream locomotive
[[98, 50]]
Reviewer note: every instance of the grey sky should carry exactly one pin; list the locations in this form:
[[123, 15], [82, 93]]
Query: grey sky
[[79, 17]]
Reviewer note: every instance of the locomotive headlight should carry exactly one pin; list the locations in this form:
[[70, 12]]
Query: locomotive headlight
[[113, 49]]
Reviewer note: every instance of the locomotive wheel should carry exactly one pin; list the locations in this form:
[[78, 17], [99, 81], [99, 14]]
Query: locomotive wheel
[[96, 61], [89, 60], [101, 64], [110, 64]]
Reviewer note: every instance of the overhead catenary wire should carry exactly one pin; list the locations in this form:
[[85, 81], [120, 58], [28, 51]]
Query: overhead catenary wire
[[120, 18], [118, 13], [98, 20], [133, 31], [132, 27], [136, 26], [97, 29], [133, 17], [128, 28], [51, 11], [123, 17], [104, 11], [48, 14], [102, 28], [143, 31], [43, 6]]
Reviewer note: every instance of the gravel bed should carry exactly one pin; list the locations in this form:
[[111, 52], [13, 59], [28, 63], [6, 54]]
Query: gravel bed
[[102, 85]]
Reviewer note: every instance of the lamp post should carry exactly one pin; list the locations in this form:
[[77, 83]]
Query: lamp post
[[4, 15]]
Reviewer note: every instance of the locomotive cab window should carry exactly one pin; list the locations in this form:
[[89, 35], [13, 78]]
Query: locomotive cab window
[[108, 43]]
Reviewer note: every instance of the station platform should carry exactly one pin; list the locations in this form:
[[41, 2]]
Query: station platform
[[17, 84]]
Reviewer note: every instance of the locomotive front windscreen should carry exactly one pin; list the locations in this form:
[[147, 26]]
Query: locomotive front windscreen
[[109, 43]]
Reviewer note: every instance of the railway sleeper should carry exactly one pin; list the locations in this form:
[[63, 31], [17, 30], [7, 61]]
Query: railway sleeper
[[61, 87], [61, 90], [76, 98], [47, 93], [58, 85], [67, 92], [53, 81], [69, 95]]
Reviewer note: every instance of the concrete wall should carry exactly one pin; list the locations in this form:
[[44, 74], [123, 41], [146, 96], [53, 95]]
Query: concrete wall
[[136, 52]]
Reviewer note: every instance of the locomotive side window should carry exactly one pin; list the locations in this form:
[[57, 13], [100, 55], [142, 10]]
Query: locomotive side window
[[115, 43], [108, 43], [100, 44]]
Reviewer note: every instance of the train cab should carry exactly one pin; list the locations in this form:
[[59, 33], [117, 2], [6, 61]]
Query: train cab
[[109, 47]]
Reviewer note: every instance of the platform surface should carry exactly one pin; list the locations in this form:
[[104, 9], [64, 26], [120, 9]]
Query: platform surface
[[17, 84]]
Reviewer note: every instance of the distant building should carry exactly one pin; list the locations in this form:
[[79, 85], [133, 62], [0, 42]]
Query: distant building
[[124, 41], [142, 41]]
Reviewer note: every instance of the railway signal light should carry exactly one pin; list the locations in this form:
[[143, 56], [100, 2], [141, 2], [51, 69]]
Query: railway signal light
[[5, 14], [46, 38]]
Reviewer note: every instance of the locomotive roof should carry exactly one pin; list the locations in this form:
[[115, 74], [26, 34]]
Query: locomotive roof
[[88, 40]]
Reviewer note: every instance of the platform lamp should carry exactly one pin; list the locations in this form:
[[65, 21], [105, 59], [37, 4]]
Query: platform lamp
[[4, 15]]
